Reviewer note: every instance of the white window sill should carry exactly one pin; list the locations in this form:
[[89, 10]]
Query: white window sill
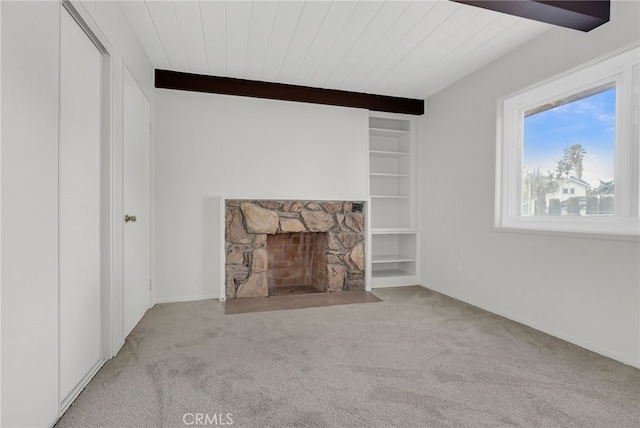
[[587, 228]]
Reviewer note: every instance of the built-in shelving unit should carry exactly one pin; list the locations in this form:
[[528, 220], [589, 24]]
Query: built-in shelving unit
[[393, 193]]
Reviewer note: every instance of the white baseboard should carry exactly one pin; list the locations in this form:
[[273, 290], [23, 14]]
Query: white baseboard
[[187, 298], [118, 348], [394, 285], [625, 359]]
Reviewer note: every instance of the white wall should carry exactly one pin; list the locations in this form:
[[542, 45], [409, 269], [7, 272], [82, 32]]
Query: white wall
[[29, 196], [583, 290], [29, 213], [208, 145], [0, 214]]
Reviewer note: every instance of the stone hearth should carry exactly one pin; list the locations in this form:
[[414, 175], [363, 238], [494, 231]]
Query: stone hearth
[[339, 245]]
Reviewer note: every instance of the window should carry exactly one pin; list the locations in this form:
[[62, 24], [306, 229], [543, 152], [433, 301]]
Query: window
[[568, 156]]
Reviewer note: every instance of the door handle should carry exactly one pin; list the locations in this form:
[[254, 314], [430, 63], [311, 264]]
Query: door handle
[[129, 218]]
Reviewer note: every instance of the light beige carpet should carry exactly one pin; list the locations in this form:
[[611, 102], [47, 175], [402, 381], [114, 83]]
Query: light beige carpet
[[417, 359]]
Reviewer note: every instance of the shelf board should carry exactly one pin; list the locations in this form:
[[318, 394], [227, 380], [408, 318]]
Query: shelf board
[[388, 273], [396, 281], [390, 196], [395, 258], [384, 174], [394, 231], [385, 132], [385, 153]]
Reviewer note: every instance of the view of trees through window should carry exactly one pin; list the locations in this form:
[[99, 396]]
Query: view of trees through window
[[568, 156]]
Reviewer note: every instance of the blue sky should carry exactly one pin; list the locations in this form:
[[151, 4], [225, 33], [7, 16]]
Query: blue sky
[[589, 121]]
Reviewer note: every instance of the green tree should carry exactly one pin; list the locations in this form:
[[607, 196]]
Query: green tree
[[570, 165], [592, 205], [574, 206], [554, 206], [563, 168], [540, 185], [605, 188], [606, 204]]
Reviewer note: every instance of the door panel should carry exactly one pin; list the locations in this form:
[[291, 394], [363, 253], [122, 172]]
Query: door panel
[[136, 119], [79, 204]]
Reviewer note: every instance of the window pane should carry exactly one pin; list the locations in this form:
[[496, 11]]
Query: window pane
[[568, 156]]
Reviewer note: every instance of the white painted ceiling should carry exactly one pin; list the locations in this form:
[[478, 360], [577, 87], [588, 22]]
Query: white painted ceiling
[[407, 49]]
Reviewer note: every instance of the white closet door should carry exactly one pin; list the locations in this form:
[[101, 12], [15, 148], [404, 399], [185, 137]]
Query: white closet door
[[79, 210], [135, 136]]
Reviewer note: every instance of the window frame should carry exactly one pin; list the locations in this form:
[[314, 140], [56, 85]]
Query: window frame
[[617, 68]]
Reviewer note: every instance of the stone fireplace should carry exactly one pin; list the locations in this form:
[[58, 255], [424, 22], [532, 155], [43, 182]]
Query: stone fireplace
[[276, 247]]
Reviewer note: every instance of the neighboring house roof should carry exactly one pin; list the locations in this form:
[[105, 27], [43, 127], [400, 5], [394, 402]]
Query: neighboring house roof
[[575, 180]]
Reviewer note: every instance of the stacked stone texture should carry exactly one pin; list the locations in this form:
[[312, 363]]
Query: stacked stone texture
[[247, 224]]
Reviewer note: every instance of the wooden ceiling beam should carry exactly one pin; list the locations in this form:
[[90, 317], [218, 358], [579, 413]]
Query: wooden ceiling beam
[[278, 91], [577, 15]]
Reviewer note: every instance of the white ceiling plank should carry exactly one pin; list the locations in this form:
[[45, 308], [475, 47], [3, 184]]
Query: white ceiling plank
[[215, 39], [262, 18], [369, 38], [516, 33], [311, 18], [498, 37], [238, 20], [362, 15], [164, 19], [283, 27], [430, 22], [140, 20], [400, 48], [461, 44], [190, 23], [438, 43], [335, 20], [411, 17]]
